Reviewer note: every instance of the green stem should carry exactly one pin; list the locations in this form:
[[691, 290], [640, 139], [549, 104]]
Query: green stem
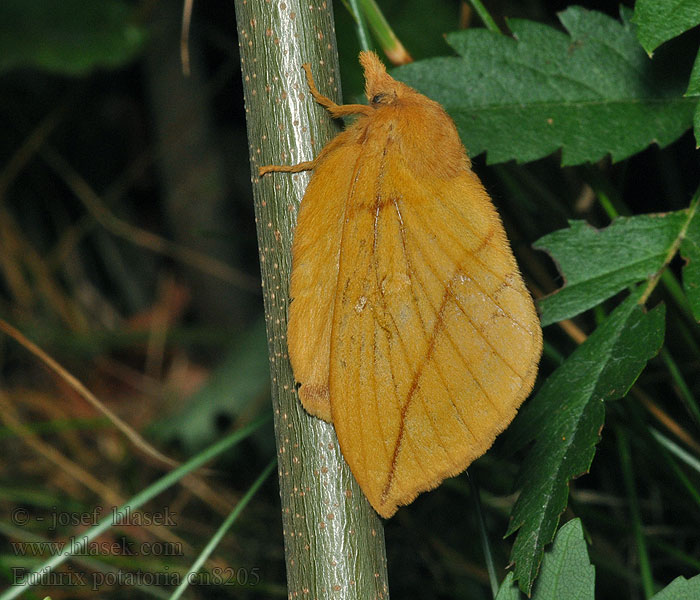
[[383, 33], [613, 206], [225, 526], [687, 396], [674, 552], [606, 194], [635, 513], [362, 33], [676, 450], [692, 209], [488, 555], [485, 16], [607, 205], [334, 541], [665, 444], [668, 279]]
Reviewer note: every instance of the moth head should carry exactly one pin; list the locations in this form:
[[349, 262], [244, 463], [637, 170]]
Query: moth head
[[380, 87]]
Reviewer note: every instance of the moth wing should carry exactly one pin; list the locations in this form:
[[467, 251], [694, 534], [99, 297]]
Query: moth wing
[[315, 254], [435, 339]]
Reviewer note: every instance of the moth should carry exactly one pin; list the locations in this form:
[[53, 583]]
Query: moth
[[410, 328]]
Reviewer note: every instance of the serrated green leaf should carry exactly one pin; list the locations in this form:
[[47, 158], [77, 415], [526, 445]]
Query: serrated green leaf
[[660, 20], [598, 263], [565, 419], [591, 93], [690, 251], [566, 570], [680, 589], [70, 37], [567, 573]]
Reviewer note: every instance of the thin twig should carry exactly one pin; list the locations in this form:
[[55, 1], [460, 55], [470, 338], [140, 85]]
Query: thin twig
[[79, 388], [184, 37]]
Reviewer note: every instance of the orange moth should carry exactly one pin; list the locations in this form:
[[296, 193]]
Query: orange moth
[[410, 328]]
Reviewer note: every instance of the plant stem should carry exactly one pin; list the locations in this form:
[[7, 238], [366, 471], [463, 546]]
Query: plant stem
[[692, 209], [360, 25], [221, 532], [485, 16], [684, 391], [675, 449], [334, 541], [488, 555], [384, 34], [635, 513]]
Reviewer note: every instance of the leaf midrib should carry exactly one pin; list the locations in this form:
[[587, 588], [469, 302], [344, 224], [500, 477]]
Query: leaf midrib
[[466, 109]]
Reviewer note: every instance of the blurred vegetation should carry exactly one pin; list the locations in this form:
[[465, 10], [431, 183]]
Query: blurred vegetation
[[128, 254]]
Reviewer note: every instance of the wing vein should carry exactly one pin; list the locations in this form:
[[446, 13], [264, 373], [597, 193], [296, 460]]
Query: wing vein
[[347, 211], [447, 333], [468, 317], [411, 272], [482, 264], [385, 312], [470, 254]]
